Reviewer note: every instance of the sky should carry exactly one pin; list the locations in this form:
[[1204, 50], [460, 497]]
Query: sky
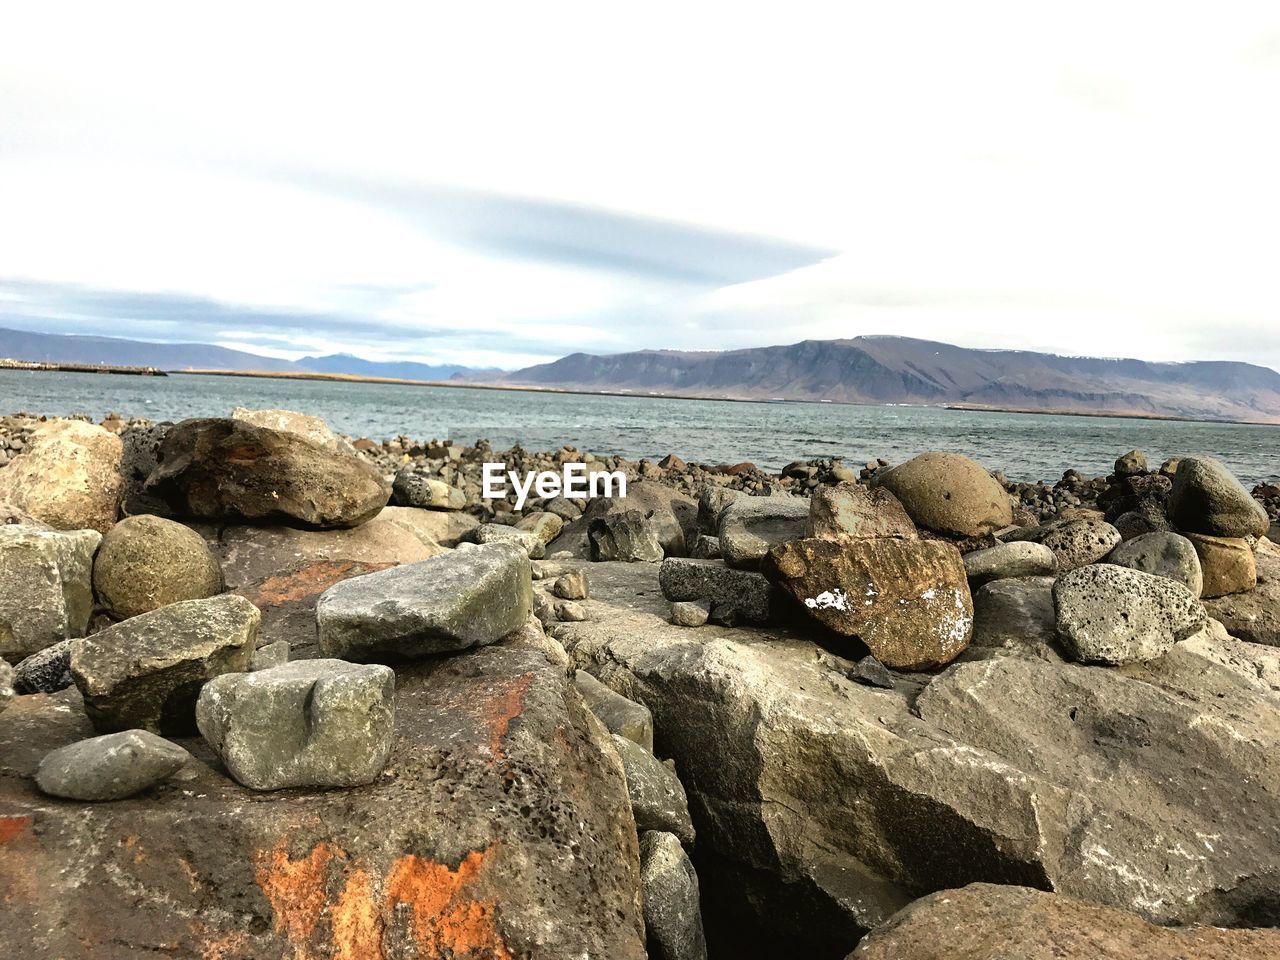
[[501, 184]]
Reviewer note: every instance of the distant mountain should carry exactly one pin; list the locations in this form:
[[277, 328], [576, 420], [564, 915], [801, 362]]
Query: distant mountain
[[397, 369], [904, 370]]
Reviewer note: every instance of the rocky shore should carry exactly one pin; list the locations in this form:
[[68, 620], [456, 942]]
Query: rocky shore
[[267, 691]]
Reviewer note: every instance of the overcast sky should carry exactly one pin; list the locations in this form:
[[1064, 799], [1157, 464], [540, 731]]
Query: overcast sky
[[500, 185]]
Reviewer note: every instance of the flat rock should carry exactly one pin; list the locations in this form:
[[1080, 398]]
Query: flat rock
[[1207, 498], [146, 562], [1254, 616], [109, 767], [672, 914], [456, 600], [620, 715], [1075, 543], [949, 493], [735, 596], [752, 526], [1162, 554], [1009, 560], [657, 798], [853, 510], [68, 477], [46, 586], [1227, 563]]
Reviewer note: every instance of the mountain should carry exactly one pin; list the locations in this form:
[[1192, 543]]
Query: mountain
[[396, 369], [905, 370]]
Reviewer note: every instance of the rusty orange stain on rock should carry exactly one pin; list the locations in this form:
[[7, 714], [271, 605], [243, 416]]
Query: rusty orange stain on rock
[[446, 922], [295, 888], [307, 581], [11, 826], [503, 707], [356, 922]]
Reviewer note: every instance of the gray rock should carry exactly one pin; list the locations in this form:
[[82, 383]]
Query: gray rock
[[672, 909], [1144, 519], [1131, 463], [657, 796], [530, 542], [690, 613], [752, 526], [6, 684], [711, 504], [571, 586], [270, 655], [620, 715], [629, 535], [705, 548], [1019, 559], [311, 723], [564, 508], [569, 611], [1110, 614], [148, 562], [736, 596], [1015, 617], [1207, 498], [46, 587], [1076, 543], [46, 671], [413, 488], [456, 600], [1162, 554], [872, 672], [110, 767]]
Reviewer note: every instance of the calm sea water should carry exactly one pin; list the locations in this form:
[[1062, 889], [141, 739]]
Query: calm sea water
[[1025, 446]]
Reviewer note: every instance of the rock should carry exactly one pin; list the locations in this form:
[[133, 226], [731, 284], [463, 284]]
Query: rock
[[146, 672], [1254, 616], [1076, 543], [311, 723], [6, 684], [671, 520], [1207, 498], [139, 459], [569, 611], [1162, 554], [711, 503], [629, 535], [46, 588], [949, 493], [852, 510], [657, 798], [1227, 562], [672, 914], [736, 596], [545, 526], [148, 562], [274, 654], [564, 508], [1019, 559], [109, 767], [450, 602], [413, 488], [907, 600], [1015, 617], [705, 548], [1110, 614], [312, 429], [68, 477], [529, 542], [434, 528], [986, 921], [571, 586], [751, 526], [871, 672], [1134, 523], [690, 613], [624, 717], [1132, 463], [45, 671], [230, 470]]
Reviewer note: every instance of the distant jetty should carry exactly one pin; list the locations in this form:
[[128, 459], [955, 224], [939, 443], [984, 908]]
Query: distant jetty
[[8, 364]]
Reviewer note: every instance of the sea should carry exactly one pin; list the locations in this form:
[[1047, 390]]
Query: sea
[[770, 434]]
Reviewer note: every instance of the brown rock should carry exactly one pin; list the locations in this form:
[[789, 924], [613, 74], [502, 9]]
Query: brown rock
[[852, 510], [1254, 616], [147, 562], [950, 493], [1226, 563], [68, 477]]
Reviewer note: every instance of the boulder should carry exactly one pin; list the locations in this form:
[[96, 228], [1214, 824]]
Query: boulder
[[985, 921], [619, 715], [413, 488], [231, 470], [711, 503], [435, 528], [571, 586], [110, 767], [672, 913], [461, 599], [147, 671], [529, 542], [1019, 559], [950, 494], [1228, 564], [46, 586], [311, 723], [1162, 554], [1254, 616], [147, 562], [139, 459], [46, 671], [752, 526], [657, 798], [1145, 519], [1112, 615], [628, 535], [852, 510], [1131, 464], [907, 600], [68, 477], [736, 596], [705, 548], [1207, 498], [310, 428], [672, 519], [1076, 543]]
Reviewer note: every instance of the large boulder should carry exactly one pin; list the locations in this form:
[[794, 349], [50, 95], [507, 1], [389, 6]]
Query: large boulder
[[500, 829], [1228, 564], [147, 562], [1163, 554], [852, 510], [907, 600], [110, 767], [46, 587], [735, 596], [1075, 543], [69, 476], [1254, 616], [147, 671], [461, 599], [950, 494], [986, 921], [1207, 498], [231, 470], [752, 526], [672, 914]]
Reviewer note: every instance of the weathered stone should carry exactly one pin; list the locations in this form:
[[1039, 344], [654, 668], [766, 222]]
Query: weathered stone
[[230, 470], [628, 535], [711, 503], [1132, 463], [672, 914], [736, 596], [657, 797], [852, 510], [571, 586], [274, 654], [907, 600], [434, 528], [752, 526], [311, 723], [530, 543], [147, 671], [1134, 523], [873, 673], [1227, 563], [705, 548], [413, 488], [310, 428], [450, 602], [6, 684], [1163, 554], [109, 767], [46, 589], [1111, 614], [949, 493], [986, 921], [1007, 560], [624, 717], [564, 508], [139, 459], [45, 671], [1015, 617], [1254, 616], [569, 611], [671, 520], [690, 613], [543, 525], [1207, 498], [147, 562], [1076, 543], [68, 476]]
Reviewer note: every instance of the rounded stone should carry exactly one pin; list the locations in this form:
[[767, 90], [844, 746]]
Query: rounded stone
[[1007, 560], [148, 562], [1076, 543], [111, 767], [1207, 498], [1131, 463], [950, 493], [1228, 563], [1162, 554]]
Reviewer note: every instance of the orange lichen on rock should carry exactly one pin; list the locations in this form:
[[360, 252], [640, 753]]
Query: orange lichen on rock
[[356, 922], [446, 923], [504, 706], [309, 581], [12, 826], [296, 888]]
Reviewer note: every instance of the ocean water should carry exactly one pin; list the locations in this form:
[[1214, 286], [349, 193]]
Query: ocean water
[[1024, 446]]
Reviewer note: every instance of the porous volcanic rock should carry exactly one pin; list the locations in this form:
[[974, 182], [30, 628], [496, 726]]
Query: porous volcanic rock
[[1163, 554], [949, 493], [1076, 543], [853, 510], [735, 596], [46, 586], [1207, 498], [413, 488], [147, 562], [68, 477]]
